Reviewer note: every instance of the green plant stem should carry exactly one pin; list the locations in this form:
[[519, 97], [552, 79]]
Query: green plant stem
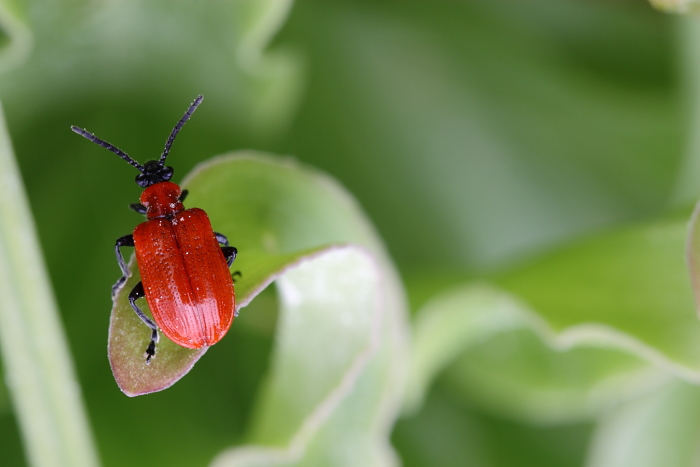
[[38, 369]]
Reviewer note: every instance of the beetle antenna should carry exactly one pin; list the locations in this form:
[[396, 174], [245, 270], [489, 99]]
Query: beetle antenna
[[87, 135], [177, 128]]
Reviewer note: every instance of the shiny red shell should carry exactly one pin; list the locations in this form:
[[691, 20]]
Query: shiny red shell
[[186, 280]]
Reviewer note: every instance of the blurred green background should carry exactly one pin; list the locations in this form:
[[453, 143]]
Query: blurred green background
[[543, 148]]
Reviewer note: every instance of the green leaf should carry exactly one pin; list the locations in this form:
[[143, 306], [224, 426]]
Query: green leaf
[[334, 370], [360, 327], [571, 333], [339, 358], [500, 354], [677, 6], [15, 36], [448, 325], [627, 289], [660, 428], [129, 336], [522, 376], [37, 365], [276, 75]]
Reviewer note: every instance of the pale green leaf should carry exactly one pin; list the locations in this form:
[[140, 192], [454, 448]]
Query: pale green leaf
[[340, 355], [502, 355], [660, 428]]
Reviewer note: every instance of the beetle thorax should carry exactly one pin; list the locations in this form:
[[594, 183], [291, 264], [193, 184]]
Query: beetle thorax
[[162, 200]]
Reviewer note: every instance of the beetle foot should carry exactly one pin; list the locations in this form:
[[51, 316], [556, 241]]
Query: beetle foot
[[150, 352]]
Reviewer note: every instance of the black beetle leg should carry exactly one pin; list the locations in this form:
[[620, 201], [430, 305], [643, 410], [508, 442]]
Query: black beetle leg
[[126, 240], [230, 253], [136, 293], [221, 238], [139, 208]]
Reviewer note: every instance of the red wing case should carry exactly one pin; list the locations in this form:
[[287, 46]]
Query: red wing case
[[186, 279]]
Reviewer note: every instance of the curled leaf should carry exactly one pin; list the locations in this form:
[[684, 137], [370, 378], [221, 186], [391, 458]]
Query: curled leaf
[[340, 354]]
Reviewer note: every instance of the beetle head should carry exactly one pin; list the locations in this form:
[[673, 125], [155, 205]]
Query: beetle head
[[153, 171]]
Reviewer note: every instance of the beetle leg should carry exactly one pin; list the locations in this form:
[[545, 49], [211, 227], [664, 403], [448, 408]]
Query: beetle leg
[[139, 208], [183, 195], [230, 253], [221, 238], [136, 293], [126, 240]]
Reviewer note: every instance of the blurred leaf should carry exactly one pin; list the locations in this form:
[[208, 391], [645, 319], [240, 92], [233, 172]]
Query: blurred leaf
[[36, 361], [215, 48], [627, 289], [16, 37], [329, 398], [623, 292], [451, 433], [449, 324], [517, 375], [677, 6], [605, 306], [687, 186], [661, 428], [493, 346], [277, 75]]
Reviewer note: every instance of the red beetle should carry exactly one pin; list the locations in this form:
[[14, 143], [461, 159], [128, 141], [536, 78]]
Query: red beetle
[[184, 269]]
